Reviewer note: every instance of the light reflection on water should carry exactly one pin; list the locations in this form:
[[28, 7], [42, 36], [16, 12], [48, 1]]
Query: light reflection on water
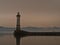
[[30, 40]]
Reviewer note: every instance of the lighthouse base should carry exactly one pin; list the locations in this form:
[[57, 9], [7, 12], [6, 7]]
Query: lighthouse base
[[20, 33]]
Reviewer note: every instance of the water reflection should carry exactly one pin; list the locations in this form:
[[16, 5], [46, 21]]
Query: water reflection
[[38, 40], [8, 39], [18, 40], [19, 35]]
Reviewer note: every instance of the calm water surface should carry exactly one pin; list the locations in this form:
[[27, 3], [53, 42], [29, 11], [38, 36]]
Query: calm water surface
[[29, 40]]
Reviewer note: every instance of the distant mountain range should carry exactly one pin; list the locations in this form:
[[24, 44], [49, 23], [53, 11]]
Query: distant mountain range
[[6, 28], [42, 29], [33, 29]]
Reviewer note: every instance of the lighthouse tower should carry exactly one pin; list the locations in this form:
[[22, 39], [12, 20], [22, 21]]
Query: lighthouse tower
[[18, 22]]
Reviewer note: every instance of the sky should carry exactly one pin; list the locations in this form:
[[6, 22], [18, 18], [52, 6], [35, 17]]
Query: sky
[[36, 13]]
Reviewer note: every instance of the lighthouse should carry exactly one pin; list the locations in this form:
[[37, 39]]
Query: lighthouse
[[18, 22]]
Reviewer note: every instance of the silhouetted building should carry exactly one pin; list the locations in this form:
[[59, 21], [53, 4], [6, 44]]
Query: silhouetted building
[[17, 31], [18, 22]]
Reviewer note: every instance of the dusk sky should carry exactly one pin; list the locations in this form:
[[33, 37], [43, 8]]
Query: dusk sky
[[34, 13]]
